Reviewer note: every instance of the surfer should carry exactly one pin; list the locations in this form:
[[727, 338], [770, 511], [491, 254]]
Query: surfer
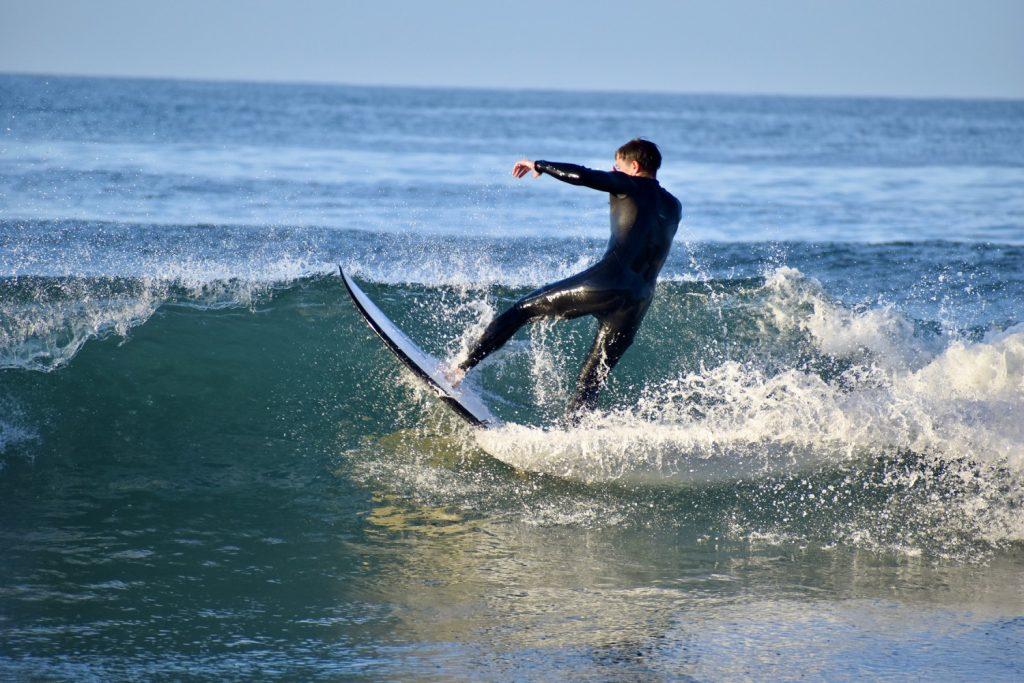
[[617, 290]]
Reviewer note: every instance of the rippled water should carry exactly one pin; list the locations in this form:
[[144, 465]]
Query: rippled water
[[810, 464]]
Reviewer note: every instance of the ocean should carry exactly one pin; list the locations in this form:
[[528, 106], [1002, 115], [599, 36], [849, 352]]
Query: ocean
[[809, 465]]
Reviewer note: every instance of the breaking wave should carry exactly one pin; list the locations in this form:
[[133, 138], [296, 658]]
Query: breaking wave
[[741, 381]]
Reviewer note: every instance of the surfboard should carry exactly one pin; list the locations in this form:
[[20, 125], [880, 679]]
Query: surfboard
[[466, 404]]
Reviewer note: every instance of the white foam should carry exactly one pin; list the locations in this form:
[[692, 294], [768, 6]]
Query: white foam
[[962, 405], [751, 426], [992, 370], [795, 301]]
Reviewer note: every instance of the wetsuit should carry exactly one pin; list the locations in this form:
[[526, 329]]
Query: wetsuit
[[617, 290]]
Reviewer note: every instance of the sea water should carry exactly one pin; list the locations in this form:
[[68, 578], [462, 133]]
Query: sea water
[[810, 463]]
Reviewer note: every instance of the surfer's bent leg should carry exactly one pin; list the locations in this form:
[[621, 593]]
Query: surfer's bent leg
[[615, 334], [569, 298], [497, 333]]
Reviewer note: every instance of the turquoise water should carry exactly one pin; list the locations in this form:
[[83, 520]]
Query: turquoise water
[[809, 465]]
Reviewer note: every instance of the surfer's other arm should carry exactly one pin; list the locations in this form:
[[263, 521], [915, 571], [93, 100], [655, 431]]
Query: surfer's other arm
[[605, 181]]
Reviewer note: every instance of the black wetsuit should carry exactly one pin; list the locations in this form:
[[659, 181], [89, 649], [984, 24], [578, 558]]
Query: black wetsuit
[[617, 290]]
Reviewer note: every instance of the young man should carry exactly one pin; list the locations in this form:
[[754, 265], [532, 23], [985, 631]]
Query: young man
[[617, 290]]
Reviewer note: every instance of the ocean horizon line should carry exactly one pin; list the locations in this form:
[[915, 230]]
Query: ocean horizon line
[[724, 94]]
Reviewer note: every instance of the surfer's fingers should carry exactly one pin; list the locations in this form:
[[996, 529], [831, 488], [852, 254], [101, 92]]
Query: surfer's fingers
[[522, 167]]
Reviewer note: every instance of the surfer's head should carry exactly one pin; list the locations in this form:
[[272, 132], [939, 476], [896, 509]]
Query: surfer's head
[[638, 157]]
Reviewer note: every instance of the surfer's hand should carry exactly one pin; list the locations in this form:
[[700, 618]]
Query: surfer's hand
[[524, 166]]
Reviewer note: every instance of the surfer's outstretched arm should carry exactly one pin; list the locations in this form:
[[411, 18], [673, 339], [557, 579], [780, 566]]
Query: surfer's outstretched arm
[[605, 181]]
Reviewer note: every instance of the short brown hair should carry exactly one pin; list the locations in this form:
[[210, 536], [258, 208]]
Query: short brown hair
[[643, 152]]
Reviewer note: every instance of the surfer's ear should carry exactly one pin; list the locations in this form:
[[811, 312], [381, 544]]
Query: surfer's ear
[[627, 166]]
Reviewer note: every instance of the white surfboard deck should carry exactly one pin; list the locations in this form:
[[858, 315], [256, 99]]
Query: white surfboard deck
[[427, 368]]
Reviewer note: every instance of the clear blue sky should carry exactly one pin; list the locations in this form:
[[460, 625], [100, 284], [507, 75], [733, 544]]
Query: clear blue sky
[[960, 48]]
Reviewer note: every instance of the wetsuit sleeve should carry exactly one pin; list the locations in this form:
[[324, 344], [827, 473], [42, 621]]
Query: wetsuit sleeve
[[605, 181]]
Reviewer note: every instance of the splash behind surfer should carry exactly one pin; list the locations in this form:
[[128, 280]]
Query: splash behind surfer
[[617, 290]]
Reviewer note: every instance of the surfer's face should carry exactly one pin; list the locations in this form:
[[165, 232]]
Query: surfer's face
[[627, 167]]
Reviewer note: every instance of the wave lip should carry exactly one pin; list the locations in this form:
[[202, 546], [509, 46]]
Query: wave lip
[[44, 322]]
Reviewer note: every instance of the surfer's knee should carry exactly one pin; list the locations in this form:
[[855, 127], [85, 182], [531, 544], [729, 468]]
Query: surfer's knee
[[528, 310], [515, 316]]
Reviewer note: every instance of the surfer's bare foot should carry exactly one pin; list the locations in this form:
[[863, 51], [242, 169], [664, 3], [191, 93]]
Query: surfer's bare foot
[[454, 374]]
